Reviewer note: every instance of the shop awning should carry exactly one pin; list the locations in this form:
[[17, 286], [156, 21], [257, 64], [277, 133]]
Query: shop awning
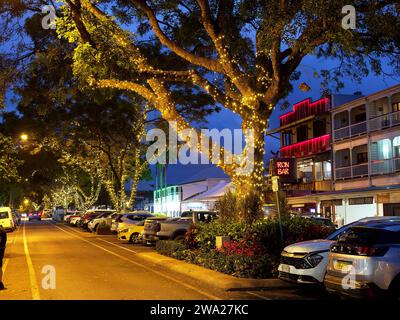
[[213, 193]]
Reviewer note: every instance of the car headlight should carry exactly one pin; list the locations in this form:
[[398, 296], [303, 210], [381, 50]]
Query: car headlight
[[123, 231], [314, 259]]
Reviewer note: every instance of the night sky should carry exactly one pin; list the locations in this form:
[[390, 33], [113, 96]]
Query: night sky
[[226, 119]]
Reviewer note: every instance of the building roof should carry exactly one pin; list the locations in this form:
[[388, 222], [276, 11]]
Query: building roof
[[210, 172], [213, 193]]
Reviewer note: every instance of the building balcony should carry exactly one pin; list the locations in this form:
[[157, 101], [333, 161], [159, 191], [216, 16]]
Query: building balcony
[[373, 124], [354, 171], [306, 148]]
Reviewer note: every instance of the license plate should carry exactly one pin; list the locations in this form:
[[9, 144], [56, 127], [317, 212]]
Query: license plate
[[343, 266], [285, 268]]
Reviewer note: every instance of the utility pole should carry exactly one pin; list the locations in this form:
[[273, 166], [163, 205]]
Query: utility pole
[[275, 189]]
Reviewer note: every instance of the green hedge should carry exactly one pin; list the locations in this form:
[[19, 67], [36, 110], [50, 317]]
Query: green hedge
[[260, 266], [254, 249]]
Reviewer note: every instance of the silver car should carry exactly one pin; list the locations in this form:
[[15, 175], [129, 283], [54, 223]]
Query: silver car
[[365, 262]]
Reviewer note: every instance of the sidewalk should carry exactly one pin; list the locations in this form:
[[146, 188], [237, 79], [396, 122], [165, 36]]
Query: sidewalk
[[213, 278]]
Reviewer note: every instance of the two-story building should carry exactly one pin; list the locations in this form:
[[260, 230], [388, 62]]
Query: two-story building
[[365, 158]]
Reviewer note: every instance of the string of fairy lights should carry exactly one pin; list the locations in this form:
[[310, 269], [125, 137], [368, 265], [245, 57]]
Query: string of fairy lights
[[245, 101]]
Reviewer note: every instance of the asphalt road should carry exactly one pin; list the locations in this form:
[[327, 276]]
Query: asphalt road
[[45, 260]]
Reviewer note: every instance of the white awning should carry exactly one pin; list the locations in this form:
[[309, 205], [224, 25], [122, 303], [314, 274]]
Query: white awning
[[213, 193]]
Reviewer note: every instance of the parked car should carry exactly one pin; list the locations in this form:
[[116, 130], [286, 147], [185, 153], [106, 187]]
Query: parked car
[[321, 220], [126, 220], [86, 218], [102, 218], [150, 229], [365, 262], [306, 262], [74, 220], [69, 214], [133, 234], [6, 219], [35, 215], [176, 228]]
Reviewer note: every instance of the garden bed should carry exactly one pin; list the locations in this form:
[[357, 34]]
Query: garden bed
[[253, 251]]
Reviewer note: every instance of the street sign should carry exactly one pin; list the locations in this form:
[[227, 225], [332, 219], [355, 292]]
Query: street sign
[[275, 183]]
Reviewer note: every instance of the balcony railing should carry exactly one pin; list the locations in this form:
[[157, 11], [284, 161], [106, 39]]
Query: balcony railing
[[354, 171], [385, 166], [376, 123], [384, 121], [306, 148], [350, 131]]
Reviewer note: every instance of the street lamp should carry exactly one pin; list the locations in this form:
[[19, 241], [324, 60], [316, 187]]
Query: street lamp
[[24, 137], [26, 202]]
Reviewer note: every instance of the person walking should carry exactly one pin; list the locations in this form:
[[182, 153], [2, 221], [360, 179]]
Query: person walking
[[3, 242]]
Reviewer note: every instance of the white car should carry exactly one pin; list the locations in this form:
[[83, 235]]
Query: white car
[[75, 220], [94, 224], [306, 262], [130, 219], [6, 219]]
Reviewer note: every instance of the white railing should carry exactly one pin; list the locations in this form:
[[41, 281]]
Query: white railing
[[341, 133], [358, 128], [358, 170], [341, 173], [384, 121], [377, 123]]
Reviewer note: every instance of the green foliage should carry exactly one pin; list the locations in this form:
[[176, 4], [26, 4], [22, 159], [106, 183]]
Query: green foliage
[[232, 208], [171, 248]]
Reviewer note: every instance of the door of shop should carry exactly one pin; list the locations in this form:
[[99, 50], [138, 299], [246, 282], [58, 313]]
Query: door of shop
[[391, 209]]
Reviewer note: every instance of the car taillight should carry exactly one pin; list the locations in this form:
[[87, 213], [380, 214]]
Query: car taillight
[[371, 251], [360, 250]]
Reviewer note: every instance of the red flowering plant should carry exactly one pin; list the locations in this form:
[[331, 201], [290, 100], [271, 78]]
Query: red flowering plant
[[242, 247]]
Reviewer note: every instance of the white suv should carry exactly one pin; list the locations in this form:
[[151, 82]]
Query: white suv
[[104, 217], [306, 262], [365, 262]]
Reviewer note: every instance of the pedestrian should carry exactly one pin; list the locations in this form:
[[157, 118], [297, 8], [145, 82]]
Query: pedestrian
[[3, 242]]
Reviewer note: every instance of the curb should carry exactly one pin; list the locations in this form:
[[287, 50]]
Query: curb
[[213, 278]]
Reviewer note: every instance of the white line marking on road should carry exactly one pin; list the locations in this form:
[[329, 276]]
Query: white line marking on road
[[5, 266], [210, 296], [258, 295], [31, 269], [117, 245]]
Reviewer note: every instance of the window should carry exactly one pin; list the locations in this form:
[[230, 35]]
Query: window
[[358, 201], [319, 176], [287, 138], [384, 149], [302, 133], [319, 128], [396, 147], [396, 106], [327, 170], [362, 157], [305, 170]]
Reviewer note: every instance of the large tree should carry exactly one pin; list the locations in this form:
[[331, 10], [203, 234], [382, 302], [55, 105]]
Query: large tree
[[243, 55]]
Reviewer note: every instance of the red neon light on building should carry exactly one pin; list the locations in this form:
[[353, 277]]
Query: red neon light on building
[[306, 148], [304, 109]]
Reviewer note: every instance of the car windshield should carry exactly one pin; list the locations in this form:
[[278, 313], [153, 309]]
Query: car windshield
[[4, 215]]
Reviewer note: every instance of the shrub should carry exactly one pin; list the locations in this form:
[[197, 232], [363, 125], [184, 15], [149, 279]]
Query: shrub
[[172, 248], [243, 266]]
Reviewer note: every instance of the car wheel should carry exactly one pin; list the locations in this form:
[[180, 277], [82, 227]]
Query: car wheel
[[134, 238], [180, 237]]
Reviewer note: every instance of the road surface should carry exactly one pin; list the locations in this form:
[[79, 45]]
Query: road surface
[[46, 260]]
